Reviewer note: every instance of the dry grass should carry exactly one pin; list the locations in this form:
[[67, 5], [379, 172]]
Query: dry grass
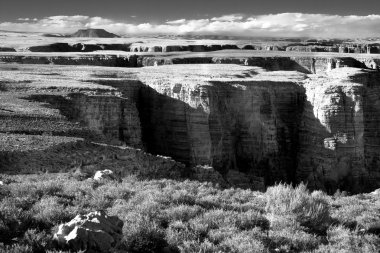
[[186, 216]]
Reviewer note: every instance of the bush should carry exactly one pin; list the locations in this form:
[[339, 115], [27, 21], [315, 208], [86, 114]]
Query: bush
[[198, 246], [288, 204], [246, 242], [188, 216], [145, 238], [178, 232], [341, 239], [13, 218], [354, 212], [49, 212], [292, 239], [38, 241]]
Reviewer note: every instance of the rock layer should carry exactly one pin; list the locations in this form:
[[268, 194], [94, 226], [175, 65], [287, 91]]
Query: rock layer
[[339, 144], [252, 126]]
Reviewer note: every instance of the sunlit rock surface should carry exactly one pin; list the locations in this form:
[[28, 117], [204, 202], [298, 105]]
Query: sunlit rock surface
[[93, 232], [254, 125]]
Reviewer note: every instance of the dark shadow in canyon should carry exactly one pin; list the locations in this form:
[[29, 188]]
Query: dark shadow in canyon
[[232, 140]]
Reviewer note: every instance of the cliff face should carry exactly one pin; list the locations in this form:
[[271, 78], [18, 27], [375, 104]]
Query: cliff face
[[253, 126], [309, 64], [248, 126], [339, 142], [323, 131], [91, 60], [113, 117]]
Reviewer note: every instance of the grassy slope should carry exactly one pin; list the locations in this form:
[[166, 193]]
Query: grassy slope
[[188, 216]]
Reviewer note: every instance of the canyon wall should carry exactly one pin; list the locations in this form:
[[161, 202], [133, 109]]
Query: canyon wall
[[249, 127], [252, 125], [304, 64], [339, 142], [323, 131], [115, 118]]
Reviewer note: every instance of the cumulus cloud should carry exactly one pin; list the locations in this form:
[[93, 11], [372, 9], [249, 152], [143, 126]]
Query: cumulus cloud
[[282, 24], [228, 18], [175, 22]]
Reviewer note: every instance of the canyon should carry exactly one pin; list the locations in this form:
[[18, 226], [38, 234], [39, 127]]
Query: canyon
[[243, 113], [235, 118]]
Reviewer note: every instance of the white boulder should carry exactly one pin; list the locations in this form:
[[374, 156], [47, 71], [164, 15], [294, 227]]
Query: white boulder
[[104, 174], [94, 232]]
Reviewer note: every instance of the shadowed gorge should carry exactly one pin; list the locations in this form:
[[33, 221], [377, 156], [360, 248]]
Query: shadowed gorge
[[250, 124]]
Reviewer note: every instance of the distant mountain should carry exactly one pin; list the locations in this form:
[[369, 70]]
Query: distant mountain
[[94, 33]]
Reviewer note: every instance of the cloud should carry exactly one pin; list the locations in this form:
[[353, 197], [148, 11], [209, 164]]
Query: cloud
[[228, 18], [282, 24], [175, 22]]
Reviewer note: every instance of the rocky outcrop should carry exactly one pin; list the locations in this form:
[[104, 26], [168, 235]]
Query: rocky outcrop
[[323, 132], [94, 232], [180, 48], [56, 47], [246, 126], [339, 144], [7, 49], [78, 47], [92, 60], [312, 49], [305, 64], [113, 117], [94, 33], [104, 175]]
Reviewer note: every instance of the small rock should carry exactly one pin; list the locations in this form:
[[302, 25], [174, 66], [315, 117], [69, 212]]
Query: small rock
[[376, 192], [104, 174], [94, 232]]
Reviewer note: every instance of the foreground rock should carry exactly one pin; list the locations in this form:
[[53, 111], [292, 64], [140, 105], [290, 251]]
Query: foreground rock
[[94, 232]]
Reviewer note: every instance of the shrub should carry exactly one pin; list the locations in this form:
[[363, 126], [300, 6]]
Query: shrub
[[49, 211], [13, 218], [353, 212], [291, 239], [38, 241], [297, 205], [219, 235], [181, 213], [197, 247], [179, 232], [16, 248], [246, 242], [145, 238], [341, 239]]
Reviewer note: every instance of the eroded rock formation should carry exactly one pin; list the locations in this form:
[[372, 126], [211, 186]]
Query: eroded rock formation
[[339, 144], [93, 33], [241, 125]]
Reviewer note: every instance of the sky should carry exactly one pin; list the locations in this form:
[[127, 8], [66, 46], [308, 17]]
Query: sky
[[317, 18]]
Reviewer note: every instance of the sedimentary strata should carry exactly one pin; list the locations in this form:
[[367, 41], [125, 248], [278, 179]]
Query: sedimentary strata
[[248, 126]]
